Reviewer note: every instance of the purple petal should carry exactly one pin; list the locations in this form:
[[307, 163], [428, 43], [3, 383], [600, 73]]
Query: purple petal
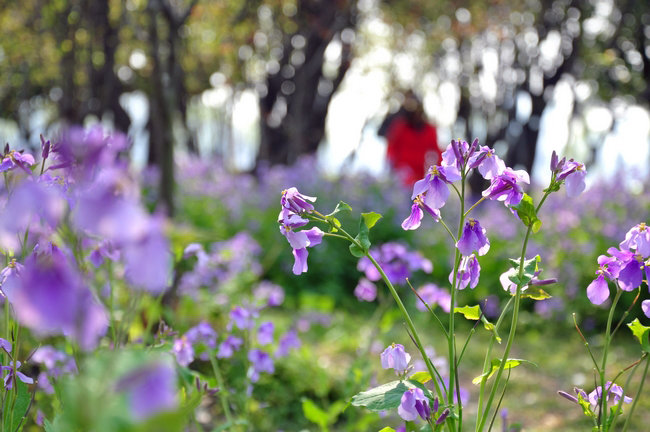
[[598, 290]]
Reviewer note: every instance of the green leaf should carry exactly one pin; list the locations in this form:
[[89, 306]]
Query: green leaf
[[341, 206], [491, 328], [387, 429], [526, 212], [314, 414], [496, 363], [20, 407], [356, 251], [334, 224], [470, 312], [535, 292], [387, 396], [530, 268], [370, 219], [421, 377], [641, 333]]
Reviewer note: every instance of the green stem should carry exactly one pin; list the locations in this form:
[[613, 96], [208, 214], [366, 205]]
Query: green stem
[[593, 359], [602, 415], [634, 365], [474, 206], [511, 336], [223, 392], [442, 222], [638, 394]]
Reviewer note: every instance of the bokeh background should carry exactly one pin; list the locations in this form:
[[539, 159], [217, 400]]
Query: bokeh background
[[228, 102]]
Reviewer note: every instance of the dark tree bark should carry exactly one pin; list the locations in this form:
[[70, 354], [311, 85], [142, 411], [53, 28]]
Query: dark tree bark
[[303, 89]]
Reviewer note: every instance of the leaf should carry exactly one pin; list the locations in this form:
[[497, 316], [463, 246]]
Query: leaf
[[341, 206], [470, 312], [371, 218], [421, 377], [496, 363], [641, 333], [20, 407], [387, 396], [387, 429], [535, 292], [314, 414], [530, 268], [526, 212], [491, 328], [335, 224]]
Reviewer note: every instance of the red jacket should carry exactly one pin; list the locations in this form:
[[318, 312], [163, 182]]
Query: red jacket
[[408, 146]]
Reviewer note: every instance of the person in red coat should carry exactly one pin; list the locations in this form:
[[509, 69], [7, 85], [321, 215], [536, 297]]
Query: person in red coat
[[412, 142]]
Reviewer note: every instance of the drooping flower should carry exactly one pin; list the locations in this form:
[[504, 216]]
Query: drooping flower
[[395, 357], [612, 389], [150, 389], [598, 290], [365, 290], [507, 187], [407, 408], [433, 295], [469, 271], [414, 220], [300, 241], [473, 239]]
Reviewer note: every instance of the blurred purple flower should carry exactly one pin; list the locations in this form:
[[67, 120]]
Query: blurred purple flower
[[183, 351], [287, 342], [265, 333], [397, 261], [260, 362], [365, 290], [151, 389], [269, 293], [202, 333], [228, 347], [16, 159], [433, 295], [243, 318], [148, 260]]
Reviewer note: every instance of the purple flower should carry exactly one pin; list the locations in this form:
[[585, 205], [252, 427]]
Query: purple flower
[[243, 318], [473, 239], [51, 298], [469, 271], [14, 159], [148, 260], [270, 293], [183, 351], [5, 345], [202, 333], [612, 389], [414, 220], [228, 347], [397, 261], [287, 342], [9, 379], [396, 358], [434, 186], [151, 389], [407, 407], [488, 163], [645, 306], [433, 295], [573, 173], [638, 238], [260, 362], [365, 290], [265, 333], [506, 187], [295, 201], [300, 241]]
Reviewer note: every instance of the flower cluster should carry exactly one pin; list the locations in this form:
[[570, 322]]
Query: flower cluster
[[625, 265], [294, 206]]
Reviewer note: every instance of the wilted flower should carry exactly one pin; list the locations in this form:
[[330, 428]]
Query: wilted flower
[[396, 358]]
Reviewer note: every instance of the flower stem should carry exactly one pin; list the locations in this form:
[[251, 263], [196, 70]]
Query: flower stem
[[511, 336], [223, 392], [602, 417], [638, 394], [593, 359]]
